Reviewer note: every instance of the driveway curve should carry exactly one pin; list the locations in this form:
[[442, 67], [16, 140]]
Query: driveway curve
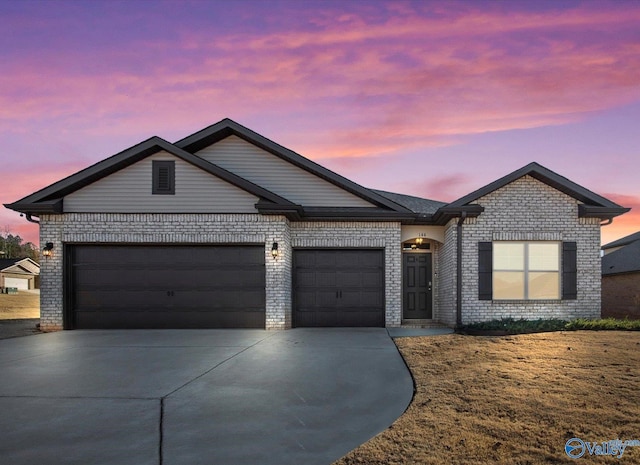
[[197, 397]]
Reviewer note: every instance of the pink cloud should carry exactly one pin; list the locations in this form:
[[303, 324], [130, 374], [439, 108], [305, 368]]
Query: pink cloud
[[371, 88], [626, 224]]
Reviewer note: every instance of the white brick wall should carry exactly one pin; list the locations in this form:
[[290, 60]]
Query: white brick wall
[[525, 210], [96, 228], [326, 234], [109, 228], [447, 277]]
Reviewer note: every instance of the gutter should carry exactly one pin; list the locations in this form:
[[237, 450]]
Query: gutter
[[31, 220], [463, 216]]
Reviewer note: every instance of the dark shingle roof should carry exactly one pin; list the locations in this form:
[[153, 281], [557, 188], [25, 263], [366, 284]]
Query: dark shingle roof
[[624, 260], [415, 204], [623, 241]]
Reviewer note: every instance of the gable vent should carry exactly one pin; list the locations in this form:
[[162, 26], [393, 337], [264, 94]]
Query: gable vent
[[164, 174]]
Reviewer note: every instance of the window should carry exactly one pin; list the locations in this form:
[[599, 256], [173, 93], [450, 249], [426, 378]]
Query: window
[[526, 270], [164, 174], [522, 264]]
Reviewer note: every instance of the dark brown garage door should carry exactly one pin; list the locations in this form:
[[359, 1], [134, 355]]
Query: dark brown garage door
[[338, 287], [165, 287]]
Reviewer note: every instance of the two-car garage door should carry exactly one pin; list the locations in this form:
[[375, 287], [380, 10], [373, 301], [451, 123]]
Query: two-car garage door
[[173, 286], [166, 286]]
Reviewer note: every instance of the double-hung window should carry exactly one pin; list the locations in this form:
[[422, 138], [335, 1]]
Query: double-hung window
[[526, 270]]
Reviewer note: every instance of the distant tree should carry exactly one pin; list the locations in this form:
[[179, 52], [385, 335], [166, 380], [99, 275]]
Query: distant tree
[[12, 247]]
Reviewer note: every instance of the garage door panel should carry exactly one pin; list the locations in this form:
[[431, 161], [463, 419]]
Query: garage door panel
[[338, 287], [167, 286]]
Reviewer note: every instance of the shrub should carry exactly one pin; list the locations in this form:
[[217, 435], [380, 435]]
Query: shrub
[[610, 324], [513, 326], [522, 326]]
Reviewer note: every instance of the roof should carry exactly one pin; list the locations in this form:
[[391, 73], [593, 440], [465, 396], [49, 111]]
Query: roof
[[386, 205], [49, 199], [623, 241], [594, 205], [624, 260], [415, 204], [19, 266], [228, 127]]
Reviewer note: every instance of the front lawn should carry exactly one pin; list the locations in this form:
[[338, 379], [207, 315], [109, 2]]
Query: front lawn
[[19, 306], [513, 399]]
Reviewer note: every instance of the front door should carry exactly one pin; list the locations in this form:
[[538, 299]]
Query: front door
[[416, 286]]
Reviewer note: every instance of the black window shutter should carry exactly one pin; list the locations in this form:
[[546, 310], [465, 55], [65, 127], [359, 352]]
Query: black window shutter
[[569, 271], [164, 173], [485, 270]]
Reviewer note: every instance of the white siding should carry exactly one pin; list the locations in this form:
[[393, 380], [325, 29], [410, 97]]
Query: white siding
[[277, 175], [129, 191]]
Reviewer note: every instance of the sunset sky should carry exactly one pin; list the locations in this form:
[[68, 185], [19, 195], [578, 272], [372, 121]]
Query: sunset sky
[[433, 99]]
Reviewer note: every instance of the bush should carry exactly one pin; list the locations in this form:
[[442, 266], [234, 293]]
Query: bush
[[513, 326], [522, 326], [605, 324]]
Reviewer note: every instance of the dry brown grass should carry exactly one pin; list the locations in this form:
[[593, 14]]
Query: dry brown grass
[[513, 400], [20, 305]]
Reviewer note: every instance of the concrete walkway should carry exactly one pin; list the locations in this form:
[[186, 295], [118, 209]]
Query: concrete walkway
[[305, 396]]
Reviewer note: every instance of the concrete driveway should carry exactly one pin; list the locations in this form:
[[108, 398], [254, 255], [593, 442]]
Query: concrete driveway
[[304, 396]]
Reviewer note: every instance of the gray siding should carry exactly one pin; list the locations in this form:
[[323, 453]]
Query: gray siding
[[129, 191], [278, 176]]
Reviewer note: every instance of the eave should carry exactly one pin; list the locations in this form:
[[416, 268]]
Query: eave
[[604, 213]]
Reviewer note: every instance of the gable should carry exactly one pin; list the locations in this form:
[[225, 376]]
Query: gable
[[529, 203], [129, 190], [277, 175]]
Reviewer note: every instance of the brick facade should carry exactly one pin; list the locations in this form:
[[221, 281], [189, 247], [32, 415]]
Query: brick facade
[[360, 235], [529, 210], [621, 296], [110, 228], [524, 210]]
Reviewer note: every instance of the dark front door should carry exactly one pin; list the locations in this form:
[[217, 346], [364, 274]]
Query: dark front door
[[417, 284], [168, 286], [342, 287]]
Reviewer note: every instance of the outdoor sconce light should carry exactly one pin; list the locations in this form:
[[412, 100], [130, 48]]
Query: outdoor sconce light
[[274, 250], [48, 248]]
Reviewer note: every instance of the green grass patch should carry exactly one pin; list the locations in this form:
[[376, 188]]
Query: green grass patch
[[521, 326]]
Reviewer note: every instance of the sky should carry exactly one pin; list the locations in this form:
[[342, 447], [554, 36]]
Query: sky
[[426, 98]]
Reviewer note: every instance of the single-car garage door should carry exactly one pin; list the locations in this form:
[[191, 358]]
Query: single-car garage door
[[338, 287], [165, 286]]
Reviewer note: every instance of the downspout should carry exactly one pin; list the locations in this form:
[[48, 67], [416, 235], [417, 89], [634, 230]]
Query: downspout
[[463, 216]]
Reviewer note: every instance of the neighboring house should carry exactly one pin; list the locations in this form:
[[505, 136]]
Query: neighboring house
[[21, 273], [621, 278], [226, 228]]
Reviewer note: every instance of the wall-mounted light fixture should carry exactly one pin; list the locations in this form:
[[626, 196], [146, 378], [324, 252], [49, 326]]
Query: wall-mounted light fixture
[[47, 251], [274, 250]]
